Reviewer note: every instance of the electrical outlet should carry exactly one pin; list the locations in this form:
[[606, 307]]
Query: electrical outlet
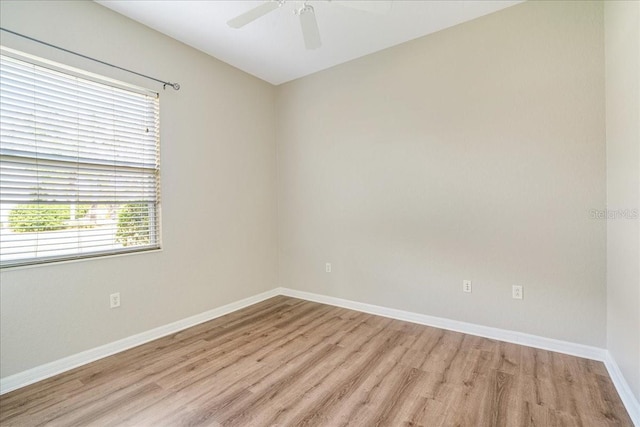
[[114, 300], [516, 292], [466, 286], [327, 267]]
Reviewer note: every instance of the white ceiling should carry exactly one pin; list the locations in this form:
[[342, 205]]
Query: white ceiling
[[272, 47]]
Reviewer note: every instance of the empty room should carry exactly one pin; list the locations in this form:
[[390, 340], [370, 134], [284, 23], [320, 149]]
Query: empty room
[[323, 213]]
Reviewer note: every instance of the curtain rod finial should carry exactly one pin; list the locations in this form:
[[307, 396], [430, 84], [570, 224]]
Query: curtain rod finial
[[176, 86]]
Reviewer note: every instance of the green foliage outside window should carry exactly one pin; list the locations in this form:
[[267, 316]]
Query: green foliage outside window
[[133, 225], [36, 217], [82, 211]]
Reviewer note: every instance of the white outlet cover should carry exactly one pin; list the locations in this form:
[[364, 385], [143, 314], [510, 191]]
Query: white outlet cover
[[466, 286], [517, 292], [114, 300]]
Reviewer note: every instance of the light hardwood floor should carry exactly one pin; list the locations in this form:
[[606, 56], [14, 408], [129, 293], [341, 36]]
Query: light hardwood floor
[[288, 362]]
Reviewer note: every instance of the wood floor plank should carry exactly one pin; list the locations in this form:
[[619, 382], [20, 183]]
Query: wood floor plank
[[289, 362]]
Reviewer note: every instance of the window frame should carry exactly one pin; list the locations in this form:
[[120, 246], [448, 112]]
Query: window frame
[[155, 214]]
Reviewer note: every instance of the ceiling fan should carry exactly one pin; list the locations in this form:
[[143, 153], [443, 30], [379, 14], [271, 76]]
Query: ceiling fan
[[305, 11]]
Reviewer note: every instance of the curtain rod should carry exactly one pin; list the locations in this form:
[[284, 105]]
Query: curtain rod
[[175, 86]]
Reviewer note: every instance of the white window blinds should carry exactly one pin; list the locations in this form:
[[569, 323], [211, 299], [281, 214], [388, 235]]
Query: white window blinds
[[79, 166]]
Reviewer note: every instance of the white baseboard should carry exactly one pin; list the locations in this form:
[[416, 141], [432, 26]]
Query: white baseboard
[[551, 344], [628, 399], [56, 367]]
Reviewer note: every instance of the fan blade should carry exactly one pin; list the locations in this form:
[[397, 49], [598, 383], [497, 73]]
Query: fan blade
[[253, 14], [379, 7], [309, 27]]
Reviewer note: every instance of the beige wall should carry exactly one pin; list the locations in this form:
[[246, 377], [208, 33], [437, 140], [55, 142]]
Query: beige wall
[[622, 47], [218, 197], [473, 153]]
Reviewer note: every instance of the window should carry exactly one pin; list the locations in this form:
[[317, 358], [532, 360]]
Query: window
[[79, 164]]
